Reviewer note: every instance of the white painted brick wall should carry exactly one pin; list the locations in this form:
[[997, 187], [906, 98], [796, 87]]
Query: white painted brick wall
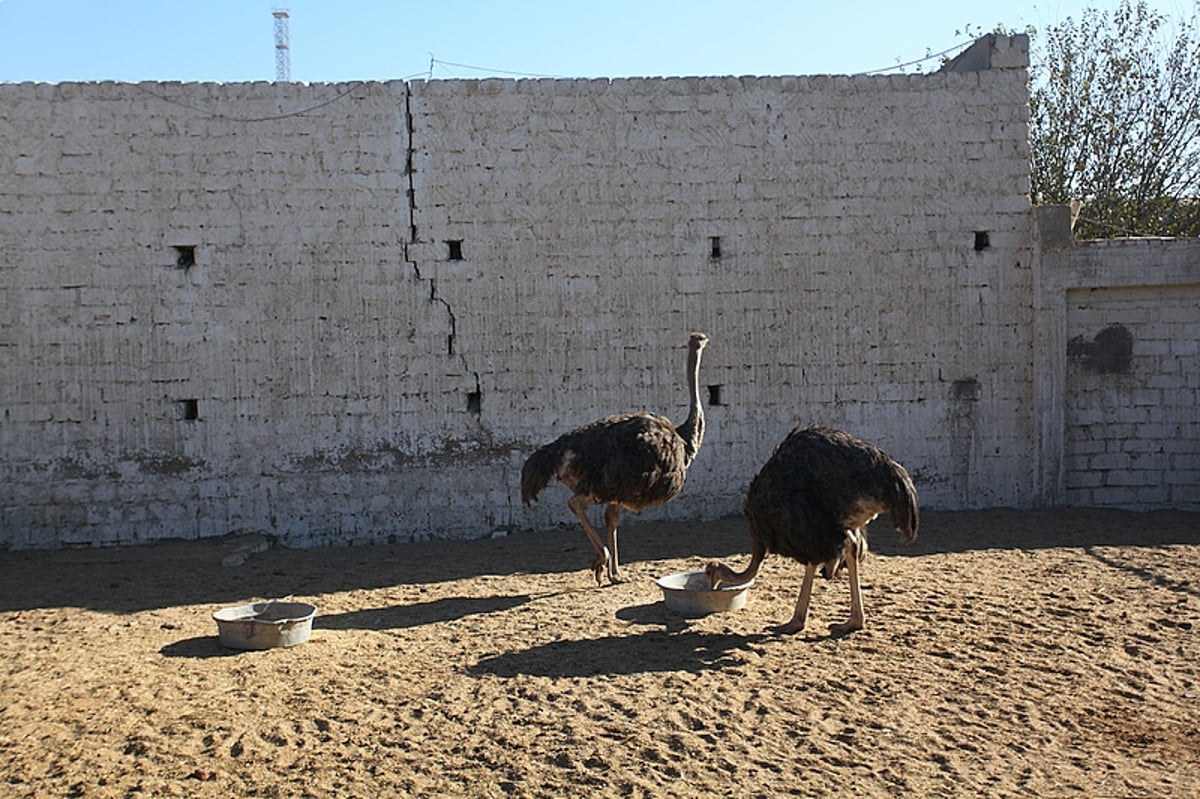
[[296, 332], [846, 209], [1133, 438], [1120, 437], [334, 353]]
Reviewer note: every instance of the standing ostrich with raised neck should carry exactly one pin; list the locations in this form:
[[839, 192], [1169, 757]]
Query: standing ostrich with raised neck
[[812, 501], [630, 460]]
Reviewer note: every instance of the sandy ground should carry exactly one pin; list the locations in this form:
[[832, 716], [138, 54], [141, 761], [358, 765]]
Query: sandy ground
[[1006, 654]]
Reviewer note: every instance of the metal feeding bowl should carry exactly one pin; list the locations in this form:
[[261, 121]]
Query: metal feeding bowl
[[265, 625], [691, 594]]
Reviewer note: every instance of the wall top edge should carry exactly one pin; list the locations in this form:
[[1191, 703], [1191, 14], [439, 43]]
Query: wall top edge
[[893, 78], [199, 83]]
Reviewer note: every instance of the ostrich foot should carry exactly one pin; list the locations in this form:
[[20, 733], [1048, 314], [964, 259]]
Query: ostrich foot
[[846, 627], [599, 565], [791, 628], [614, 570]]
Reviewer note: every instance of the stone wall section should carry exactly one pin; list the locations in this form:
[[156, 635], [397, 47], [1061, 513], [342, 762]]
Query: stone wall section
[[341, 313], [210, 320], [1133, 420], [1125, 371], [858, 249]]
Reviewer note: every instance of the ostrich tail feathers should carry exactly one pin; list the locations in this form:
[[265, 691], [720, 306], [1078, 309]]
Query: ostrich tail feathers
[[905, 510], [537, 471]]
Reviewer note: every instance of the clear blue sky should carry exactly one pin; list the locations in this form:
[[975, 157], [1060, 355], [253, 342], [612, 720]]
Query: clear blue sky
[[343, 40]]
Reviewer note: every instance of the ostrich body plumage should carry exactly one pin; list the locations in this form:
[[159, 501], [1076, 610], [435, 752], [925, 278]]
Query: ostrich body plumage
[[812, 501], [630, 460]]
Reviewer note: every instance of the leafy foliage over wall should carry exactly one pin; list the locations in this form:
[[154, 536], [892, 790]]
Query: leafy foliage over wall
[[1115, 122]]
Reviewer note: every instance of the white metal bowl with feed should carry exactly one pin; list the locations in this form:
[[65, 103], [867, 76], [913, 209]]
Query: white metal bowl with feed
[[691, 594], [265, 625]]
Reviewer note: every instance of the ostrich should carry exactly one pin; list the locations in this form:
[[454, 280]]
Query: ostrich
[[630, 460], [812, 501]]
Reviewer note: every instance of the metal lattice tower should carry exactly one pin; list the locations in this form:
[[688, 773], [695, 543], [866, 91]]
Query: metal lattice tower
[[283, 52]]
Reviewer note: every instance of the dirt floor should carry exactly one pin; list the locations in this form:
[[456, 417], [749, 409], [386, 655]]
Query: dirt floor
[[1006, 653]]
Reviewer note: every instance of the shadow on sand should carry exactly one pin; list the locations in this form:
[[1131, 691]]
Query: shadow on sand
[[403, 616], [647, 651], [201, 648], [173, 573], [170, 574], [1005, 528]]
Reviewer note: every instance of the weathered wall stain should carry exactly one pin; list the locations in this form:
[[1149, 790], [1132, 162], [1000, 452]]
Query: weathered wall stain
[[168, 465], [1131, 377], [385, 457], [1109, 352]]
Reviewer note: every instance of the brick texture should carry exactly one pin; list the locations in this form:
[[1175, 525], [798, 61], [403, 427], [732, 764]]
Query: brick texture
[[341, 313]]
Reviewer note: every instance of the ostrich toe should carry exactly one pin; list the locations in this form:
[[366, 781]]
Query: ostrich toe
[[846, 627], [791, 628], [598, 567]]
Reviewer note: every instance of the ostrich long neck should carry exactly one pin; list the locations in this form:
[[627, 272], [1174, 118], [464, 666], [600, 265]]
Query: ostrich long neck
[[692, 430]]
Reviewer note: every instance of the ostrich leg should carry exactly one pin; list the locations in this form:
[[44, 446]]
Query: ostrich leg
[[855, 546], [800, 616], [579, 505], [611, 514]]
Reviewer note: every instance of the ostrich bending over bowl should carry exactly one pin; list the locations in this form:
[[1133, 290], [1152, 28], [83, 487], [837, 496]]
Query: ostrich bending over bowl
[[812, 501], [631, 460]]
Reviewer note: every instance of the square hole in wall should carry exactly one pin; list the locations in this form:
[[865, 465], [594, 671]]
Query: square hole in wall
[[189, 409], [714, 247], [475, 403], [966, 389], [454, 250], [982, 240], [185, 256], [714, 395]]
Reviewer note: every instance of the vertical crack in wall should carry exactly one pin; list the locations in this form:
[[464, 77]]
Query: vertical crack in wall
[[410, 169], [450, 338], [412, 190]]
